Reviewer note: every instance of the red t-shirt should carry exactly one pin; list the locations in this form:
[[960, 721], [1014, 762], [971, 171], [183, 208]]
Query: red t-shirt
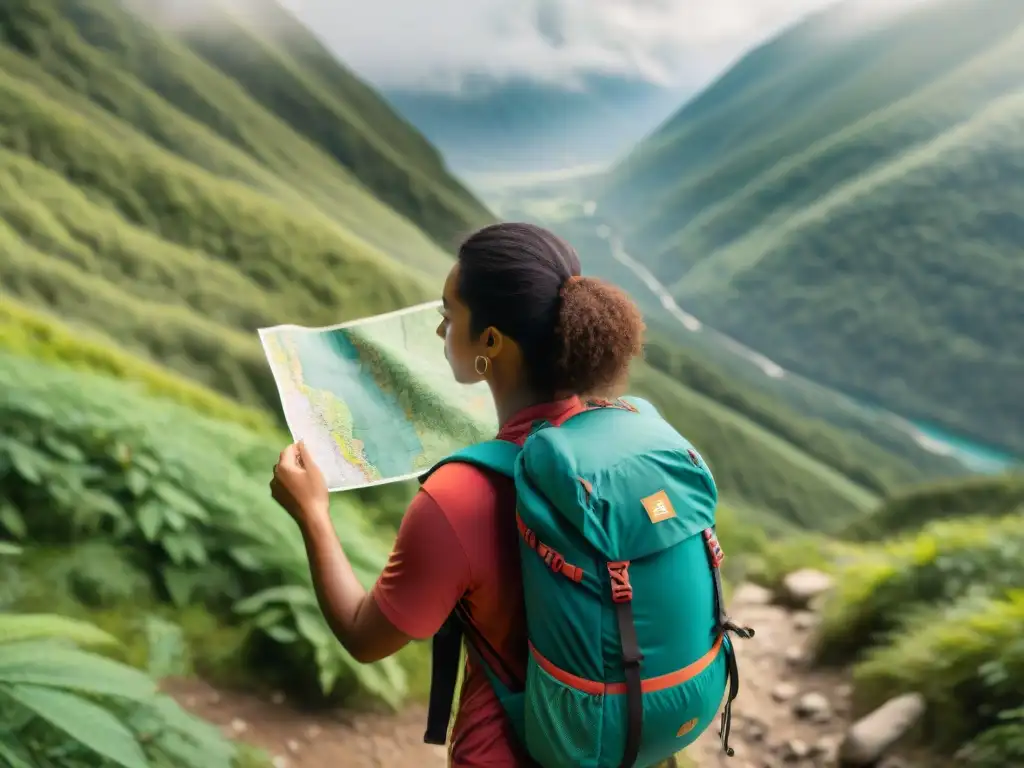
[[459, 541]]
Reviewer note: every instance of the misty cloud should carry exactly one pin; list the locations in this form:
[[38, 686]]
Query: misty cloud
[[443, 43]]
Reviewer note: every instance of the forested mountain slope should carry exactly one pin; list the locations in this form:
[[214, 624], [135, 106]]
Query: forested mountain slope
[[848, 200]]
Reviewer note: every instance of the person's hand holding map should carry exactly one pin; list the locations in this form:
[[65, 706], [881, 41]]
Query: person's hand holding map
[[373, 400]]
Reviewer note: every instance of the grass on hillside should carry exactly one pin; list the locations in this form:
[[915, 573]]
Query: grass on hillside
[[861, 230], [32, 334], [983, 497], [329, 130]]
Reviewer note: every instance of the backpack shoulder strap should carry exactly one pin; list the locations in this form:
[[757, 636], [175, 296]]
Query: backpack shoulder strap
[[497, 455]]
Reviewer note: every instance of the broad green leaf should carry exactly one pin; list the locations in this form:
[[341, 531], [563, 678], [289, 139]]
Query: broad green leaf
[[312, 627], [89, 724], [12, 753], [175, 549], [180, 585], [12, 520], [281, 634], [271, 616], [245, 558], [54, 666], [194, 548], [27, 462], [17, 627], [180, 500], [136, 480], [65, 449], [150, 517], [290, 594], [9, 549]]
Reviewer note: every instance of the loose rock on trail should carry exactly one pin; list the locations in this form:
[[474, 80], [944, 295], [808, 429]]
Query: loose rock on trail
[[787, 715]]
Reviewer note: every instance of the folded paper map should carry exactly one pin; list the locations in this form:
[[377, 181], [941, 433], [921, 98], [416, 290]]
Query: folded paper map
[[374, 399]]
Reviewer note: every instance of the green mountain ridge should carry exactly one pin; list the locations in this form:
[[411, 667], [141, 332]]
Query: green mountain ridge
[[150, 198], [845, 200]]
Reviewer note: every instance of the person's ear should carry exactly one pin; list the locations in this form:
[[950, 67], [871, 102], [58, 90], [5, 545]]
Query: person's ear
[[494, 341]]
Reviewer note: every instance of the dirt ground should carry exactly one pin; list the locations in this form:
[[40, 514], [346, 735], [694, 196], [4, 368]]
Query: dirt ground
[[786, 714]]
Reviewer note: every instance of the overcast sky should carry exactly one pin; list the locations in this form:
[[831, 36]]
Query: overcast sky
[[435, 44]]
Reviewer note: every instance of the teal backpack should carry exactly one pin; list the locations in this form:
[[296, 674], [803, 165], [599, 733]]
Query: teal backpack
[[630, 646]]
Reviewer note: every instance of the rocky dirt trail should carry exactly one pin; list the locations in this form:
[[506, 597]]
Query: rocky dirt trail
[[786, 716], [786, 713], [298, 739]]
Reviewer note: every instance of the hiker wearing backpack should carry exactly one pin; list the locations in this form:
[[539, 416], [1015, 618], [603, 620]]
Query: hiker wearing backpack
[[575, 554]]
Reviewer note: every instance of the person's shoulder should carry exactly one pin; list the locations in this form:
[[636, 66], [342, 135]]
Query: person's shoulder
[[461, 489]]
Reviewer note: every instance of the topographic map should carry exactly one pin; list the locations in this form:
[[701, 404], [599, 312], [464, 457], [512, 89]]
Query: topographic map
[[374, 399]]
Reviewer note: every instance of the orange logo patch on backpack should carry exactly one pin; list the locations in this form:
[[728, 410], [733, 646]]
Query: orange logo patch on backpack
[[686, 727], [658, 507]]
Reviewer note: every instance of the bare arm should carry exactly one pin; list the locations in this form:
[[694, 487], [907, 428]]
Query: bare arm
[[351, 612], [427, 574]]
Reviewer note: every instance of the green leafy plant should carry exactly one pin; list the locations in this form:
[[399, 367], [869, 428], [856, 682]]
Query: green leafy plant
[[64, 706], [186, 496], [999, 746], [967, 660], [939, 612], [882, 588]]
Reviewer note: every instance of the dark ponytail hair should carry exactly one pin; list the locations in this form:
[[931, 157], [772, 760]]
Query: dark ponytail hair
[[577, 334]]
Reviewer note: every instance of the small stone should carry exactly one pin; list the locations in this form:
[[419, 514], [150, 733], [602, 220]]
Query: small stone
[[292, 746], [804, 620], [214, 698], [279, 761], [191, 702], [795, 656], [238, 725], [312, 732], [277, 698], [784, 692], [867, 740], [751, 594], [755, 732], [814, 707], [801, 587], [795, 750], [826, 749]]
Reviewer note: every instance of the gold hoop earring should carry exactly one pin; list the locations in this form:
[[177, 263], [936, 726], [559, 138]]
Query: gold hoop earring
[[486, 364]]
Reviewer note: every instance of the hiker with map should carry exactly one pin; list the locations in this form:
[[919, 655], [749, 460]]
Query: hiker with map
[[575, 553]]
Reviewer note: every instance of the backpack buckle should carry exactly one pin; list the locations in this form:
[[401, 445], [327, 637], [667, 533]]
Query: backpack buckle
[[622, 590]]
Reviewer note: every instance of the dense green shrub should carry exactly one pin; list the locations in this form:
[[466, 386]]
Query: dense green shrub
[[87, 458], [967, 660], [885, 587], [951, 499], [939, 612], [64, 706]]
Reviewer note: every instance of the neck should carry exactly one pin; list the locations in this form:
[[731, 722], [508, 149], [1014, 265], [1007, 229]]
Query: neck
[[508, 404]]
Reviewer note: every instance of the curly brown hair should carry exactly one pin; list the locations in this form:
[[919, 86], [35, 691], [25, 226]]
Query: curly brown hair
[[600, 330], [577, 334]]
